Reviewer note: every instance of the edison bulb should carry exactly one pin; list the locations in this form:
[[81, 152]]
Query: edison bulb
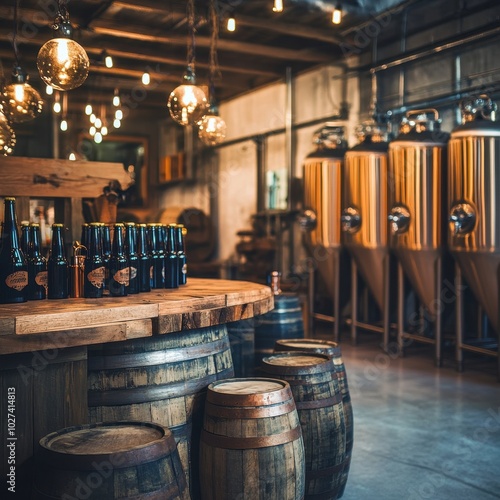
[[21, 102], [63, 63], [187, 104], [212, 130]]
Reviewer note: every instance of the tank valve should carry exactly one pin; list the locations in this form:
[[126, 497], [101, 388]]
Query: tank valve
[[307, 220], [462, 219], [399, 219], [351, 220]]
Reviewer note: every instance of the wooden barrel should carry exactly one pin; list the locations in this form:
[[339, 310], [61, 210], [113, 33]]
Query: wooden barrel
[[161, 379], [333, 350], [251, 444], [105, 461], [283, 322], [314, 383], [242, 339]]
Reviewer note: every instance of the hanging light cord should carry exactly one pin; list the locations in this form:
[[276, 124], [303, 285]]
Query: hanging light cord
[[214, 63], [62, 15], [14, 36], [191, 42]]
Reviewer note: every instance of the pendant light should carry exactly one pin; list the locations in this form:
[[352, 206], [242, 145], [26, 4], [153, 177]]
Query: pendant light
[[62, 62], [212, 128], [188, 103], [20, 101]]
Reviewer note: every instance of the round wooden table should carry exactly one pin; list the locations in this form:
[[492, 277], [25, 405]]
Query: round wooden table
[[43, 352]]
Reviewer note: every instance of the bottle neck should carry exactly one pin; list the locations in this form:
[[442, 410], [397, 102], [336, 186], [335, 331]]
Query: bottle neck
[[118, 250], [106, 241], [25, 240], [142, 241], [131, 240], [179, 240], [9, 229], [171, 244], [94, 248], [57, 250], [35, 241]]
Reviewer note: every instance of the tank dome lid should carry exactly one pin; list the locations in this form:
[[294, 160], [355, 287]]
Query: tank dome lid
[[372, 137], [422, 125], [478, 116], [330, 136]]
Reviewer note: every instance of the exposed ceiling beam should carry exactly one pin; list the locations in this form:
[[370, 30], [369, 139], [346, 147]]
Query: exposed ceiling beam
[[292, 29], [137, 33], [145, 56], [108, 28]]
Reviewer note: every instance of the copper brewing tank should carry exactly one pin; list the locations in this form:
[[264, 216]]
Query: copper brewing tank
[[364, 217], [320, 220], [474, 201], [417, 176]]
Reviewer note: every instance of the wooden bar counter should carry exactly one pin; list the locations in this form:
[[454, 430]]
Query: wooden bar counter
[[43, 353]]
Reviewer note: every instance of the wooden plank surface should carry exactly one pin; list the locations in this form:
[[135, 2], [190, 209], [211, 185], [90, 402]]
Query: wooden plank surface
[[47, 177], [46, 324]]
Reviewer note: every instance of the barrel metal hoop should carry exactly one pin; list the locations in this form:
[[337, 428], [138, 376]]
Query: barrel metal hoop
[[152, 358], [115, 397], [319, 403], [246, 443], [171, 490], [325, 494], [327, 471], [252, 412]]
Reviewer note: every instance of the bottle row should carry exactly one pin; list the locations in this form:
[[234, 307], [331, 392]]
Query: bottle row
[[114, 260]]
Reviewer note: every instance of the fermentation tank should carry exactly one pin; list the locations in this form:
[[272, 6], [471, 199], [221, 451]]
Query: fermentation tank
[[417, 170], [364, 217], [322, 201], [474, 197]]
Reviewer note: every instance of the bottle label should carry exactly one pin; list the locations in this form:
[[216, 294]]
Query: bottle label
[[151, 272], [41, 278], [133, 273], [17, 280], [122, 276], [96, 276], [184, 269]]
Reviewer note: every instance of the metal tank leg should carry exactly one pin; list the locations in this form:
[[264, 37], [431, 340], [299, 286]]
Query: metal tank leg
[[387, 311], [354, 303], [439, 314], [400, 310], [310, 301], [459, 319], [336, 300]]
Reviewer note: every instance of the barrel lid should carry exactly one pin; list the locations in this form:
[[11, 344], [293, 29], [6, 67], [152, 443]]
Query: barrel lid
[[297, 359], [121, 443], [305, 344], [249, 386], [100, 439], [246, 392]]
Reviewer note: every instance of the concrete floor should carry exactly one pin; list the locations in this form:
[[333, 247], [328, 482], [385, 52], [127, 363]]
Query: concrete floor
[[421, 432]]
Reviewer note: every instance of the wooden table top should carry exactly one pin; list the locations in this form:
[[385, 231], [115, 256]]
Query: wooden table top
[[54, 324]]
